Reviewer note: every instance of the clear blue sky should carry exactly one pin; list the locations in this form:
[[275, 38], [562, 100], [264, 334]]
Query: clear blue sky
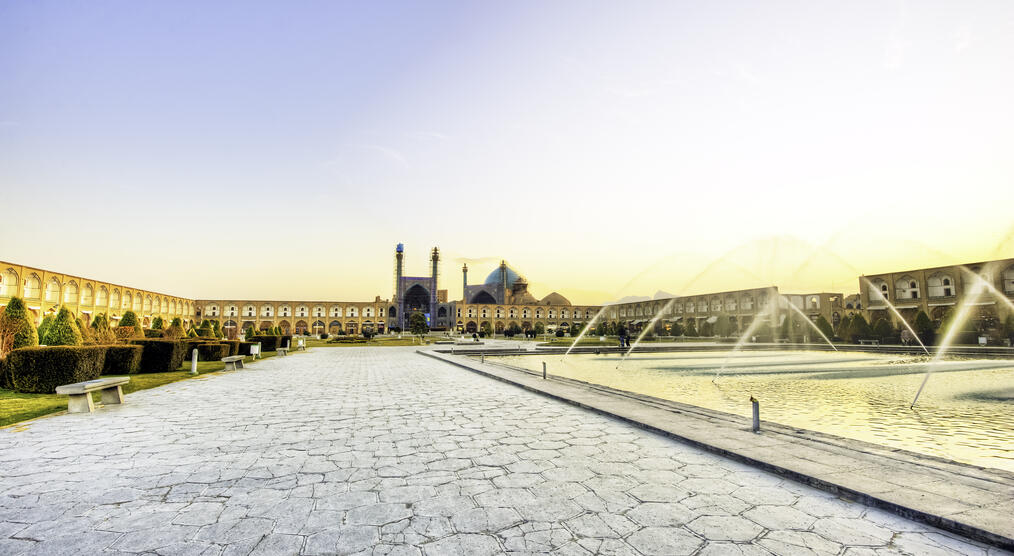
[[150, 143]]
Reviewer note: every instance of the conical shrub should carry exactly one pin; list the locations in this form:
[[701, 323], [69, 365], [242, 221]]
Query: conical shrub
[[25, 334], [47, 321], [64, 331]]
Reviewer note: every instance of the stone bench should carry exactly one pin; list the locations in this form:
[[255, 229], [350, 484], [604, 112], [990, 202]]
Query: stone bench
[[233, 362], [81, 393], [870, 342], [300, 346], [283, 351]]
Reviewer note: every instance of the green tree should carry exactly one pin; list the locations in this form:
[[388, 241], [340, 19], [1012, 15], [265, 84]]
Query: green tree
[[707, 329], [216, 329], [539, 328], [923, 324], [47, 321], [129, 319], [575, 329], [722, 326], [600, 329], [63, 331], [859, 328], [690, 330], [882, 329], [192, 333], [485, 328], [825, 327], [417, 324], [24, 332], [157, 324], [844, 327], [676, 329]]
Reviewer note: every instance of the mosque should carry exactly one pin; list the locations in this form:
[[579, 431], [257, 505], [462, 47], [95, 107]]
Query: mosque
[[501, 301]]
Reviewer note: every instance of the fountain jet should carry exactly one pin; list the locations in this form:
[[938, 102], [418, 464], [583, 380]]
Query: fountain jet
[[808, 321], [591, 323], [963, 311], [895, 311]]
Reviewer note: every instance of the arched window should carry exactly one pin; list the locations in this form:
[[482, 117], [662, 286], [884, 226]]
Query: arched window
[[352, 311], [392, 312], [33, 287], [147, 305], [368, 312], [9, 283], [336, 311], [302, 310], [53, 291], [268, 311], [879, 291], [70, 293], [87, 295], [102, 299], [137, 302], [285, 311], [906, 288], [249, 311], [156, 305], [115, 301], [318, 311], [940, 285]]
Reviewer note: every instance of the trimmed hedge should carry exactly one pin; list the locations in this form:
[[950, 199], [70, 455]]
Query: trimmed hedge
[[233, 346], [122, 360], [205, 333], [286, 340], [268, 343], [244, 348], [39, 370], [161, 356], [152, 333], [212, 352]]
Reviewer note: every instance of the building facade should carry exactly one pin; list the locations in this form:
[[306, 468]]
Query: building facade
[[314, 317], [939, 290], [45, 291]]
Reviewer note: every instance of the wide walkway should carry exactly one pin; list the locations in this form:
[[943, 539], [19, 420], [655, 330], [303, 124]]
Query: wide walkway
[[383, 451]]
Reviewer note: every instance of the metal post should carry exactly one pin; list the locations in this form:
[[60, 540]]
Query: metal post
[[543, 370], [756, 414], [193, 362], [482, 358]]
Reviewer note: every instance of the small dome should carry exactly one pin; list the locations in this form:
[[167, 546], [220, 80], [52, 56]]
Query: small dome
[[494, 277], [554, 299]]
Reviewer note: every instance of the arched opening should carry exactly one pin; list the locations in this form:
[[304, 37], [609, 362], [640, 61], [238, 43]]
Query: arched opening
[[392, 312], [334, 327], [70, 292], [9, 283], [416, 299], [33, 287], [351, 328], [471, 327], [53, 291], [483, 298], [285, 326], [442, 312], [301, 327], [318, 327], [265, 325]]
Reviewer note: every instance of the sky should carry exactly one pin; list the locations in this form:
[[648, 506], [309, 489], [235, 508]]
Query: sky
[[280, 150]]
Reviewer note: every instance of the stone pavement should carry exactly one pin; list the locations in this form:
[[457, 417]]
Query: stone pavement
[[384, 451]]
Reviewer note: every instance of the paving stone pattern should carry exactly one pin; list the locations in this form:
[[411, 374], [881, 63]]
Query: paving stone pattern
[[383, 451]]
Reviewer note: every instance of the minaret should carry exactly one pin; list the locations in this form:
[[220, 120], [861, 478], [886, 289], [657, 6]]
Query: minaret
[[434, 260], [503, 282], [399, 254], [464, 283]]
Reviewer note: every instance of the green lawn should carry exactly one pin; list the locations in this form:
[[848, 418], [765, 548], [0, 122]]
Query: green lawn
[[16, 407]]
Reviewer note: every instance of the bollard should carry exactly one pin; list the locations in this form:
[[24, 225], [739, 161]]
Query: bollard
[[452, 350], [193, 362], [543, 370], [756, 414], [482, 358]]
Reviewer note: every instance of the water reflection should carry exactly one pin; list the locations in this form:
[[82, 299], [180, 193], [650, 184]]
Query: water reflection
[[967, 416]]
